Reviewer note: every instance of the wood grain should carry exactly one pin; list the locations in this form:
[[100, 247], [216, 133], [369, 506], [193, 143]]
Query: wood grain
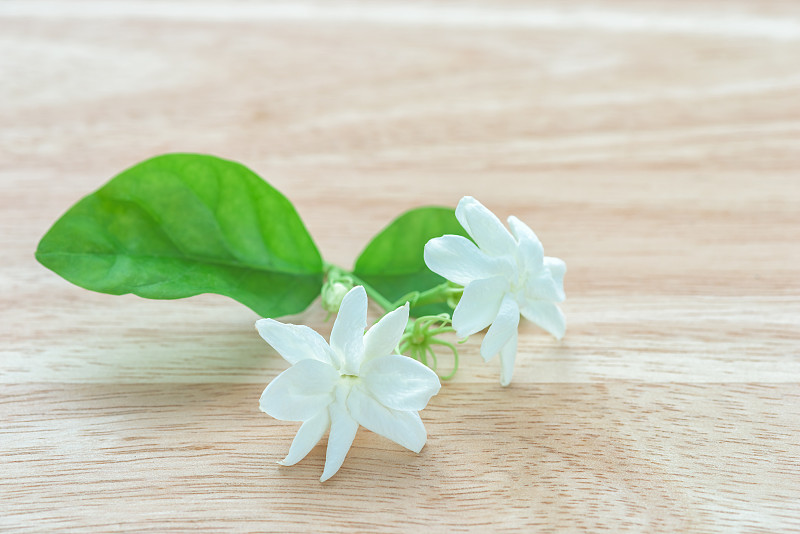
[[611, 456], [655, 147]]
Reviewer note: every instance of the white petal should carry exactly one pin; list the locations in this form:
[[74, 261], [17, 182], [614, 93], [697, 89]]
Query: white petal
[[459, 260], [557, 269], [298, 393], [502, 329], [547, 315], [307, 437], [479, 305], [343, 432], [544, 287], [485, 228], [521, 231], [294, 342], [507, 356], [530, 249], [382, 338], [404, 428], [400, 383], [347, 336]]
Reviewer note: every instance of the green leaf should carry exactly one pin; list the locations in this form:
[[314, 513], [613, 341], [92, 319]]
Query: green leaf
[[393, 264], [179, 225]]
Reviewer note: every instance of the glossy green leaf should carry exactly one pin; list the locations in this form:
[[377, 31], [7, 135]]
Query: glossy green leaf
[[183, 224], [393, 262]]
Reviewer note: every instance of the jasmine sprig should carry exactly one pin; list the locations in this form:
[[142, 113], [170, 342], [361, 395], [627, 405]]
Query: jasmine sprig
[[183, 224]]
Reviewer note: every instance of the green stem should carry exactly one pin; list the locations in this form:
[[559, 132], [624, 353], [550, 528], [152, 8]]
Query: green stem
[[433, 295]]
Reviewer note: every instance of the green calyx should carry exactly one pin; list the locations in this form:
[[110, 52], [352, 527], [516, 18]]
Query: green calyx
[[422, 335]]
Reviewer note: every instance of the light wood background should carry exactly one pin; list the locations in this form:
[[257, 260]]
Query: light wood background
[[653, 146]]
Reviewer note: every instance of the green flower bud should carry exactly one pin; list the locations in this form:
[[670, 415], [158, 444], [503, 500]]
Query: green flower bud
[[333, 292]]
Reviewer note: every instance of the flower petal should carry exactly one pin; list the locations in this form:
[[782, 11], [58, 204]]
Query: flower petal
[[347, 336], [459, 260], [479, 305], [530, 249], [402, 427], [543, 287], [545, 314], [521, 231], [343, 432], [294, 342], [485, 228], [382, 338], [502, 329], [307, 437], [507, 356], [557, 269], [400, 383], [298, 393]]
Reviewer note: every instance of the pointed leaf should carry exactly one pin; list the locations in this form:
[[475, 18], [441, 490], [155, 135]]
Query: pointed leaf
[[183, 224]]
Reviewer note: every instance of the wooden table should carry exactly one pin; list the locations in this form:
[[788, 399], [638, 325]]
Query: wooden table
[[655, 147]]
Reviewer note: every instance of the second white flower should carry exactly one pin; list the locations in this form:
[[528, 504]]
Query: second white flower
[[505, 275]]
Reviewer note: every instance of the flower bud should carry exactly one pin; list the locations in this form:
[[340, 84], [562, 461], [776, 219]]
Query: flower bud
[[333, 292]]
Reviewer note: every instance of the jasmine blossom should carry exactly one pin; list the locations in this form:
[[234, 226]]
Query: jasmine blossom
[[355, 380], [506, 274]]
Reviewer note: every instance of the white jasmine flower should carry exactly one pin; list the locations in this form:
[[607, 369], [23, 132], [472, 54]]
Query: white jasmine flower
[[505, 275], [356, 380]]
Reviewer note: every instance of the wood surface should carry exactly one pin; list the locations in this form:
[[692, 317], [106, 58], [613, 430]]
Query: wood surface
[[655, 147]]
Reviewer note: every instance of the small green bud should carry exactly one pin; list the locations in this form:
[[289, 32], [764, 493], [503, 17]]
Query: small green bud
[[333, 291]]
